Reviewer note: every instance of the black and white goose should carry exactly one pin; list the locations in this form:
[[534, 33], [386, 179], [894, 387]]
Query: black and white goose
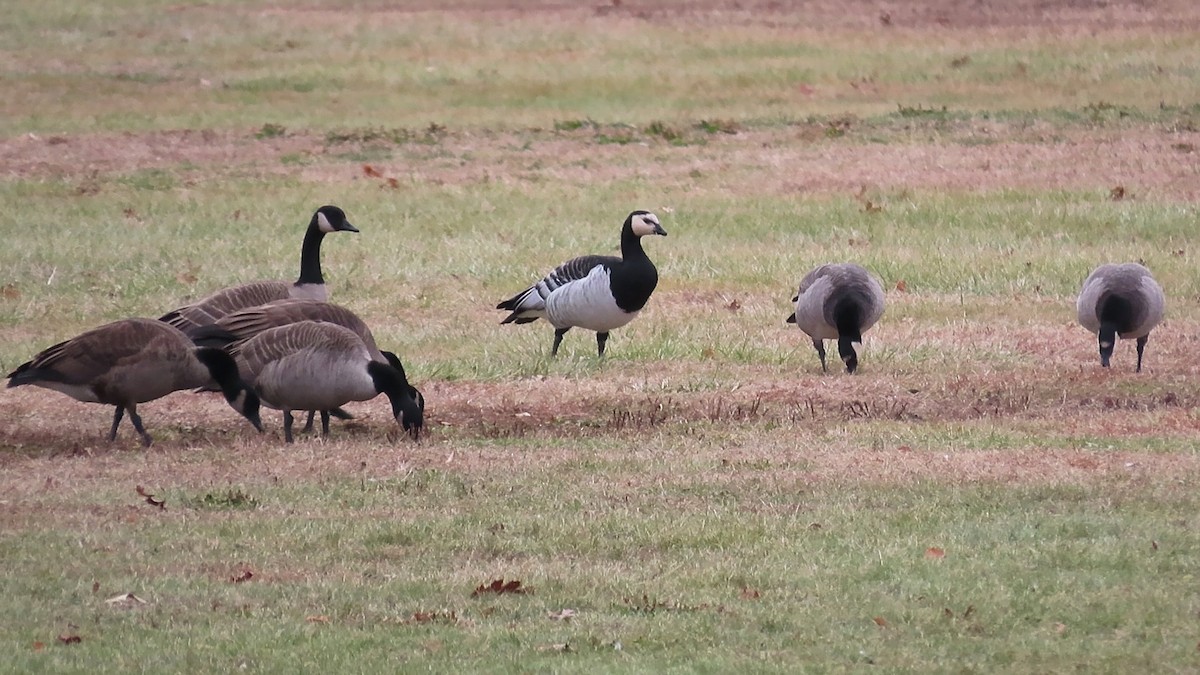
[[595, 292], [1120, 300], [246, 323], [132, 361], [310, 284], [316, 365], [838, 301]]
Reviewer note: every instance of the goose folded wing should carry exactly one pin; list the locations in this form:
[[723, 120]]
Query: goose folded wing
[[211, 308]]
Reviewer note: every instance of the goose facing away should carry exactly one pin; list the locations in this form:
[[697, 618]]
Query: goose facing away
[[310, 284], [132, 361], [595, 292], [246, 323], [316, 365], [840, 302], [1120, 300]]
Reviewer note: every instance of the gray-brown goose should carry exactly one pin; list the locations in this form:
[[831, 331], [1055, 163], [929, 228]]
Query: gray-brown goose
[[246, 323], [1120, 300], [132, 361], [310, 284], [838, 301], [316, 365]]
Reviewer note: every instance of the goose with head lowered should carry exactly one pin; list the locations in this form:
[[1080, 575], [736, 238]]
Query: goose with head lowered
[[246, 323], [838, 301], [1120, 300], [595, 292], [310, 284], [132, 361], [317, 365]]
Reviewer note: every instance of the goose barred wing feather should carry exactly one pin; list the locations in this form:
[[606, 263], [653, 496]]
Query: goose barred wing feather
[[93, 354], [274, 344], [530, 304], [246, 323], [211, 308]]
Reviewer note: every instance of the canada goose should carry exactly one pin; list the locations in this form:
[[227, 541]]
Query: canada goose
[[316, 365], [311, 283], [1120, 300], [132, 361], [838, 301], [596, 292], [246, 323]]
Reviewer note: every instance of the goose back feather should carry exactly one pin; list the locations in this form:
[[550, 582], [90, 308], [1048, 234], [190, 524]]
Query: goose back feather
[[1120, 300], [838, 301]]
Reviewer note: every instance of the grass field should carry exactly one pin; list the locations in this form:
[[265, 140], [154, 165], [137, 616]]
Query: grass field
[[980, 497]]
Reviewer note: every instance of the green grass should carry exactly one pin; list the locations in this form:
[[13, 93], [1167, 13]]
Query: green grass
[[704, 499]]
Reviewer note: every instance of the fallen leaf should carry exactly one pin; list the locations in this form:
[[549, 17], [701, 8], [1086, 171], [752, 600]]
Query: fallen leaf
[[562, 615], [372, 171], [39, 646], [246, 575], [1117, 194], [95, 587], [321, 618], [968, 611], [126, 599], [733, 306], [500, 587], [185, 278], [880, 621], [949, 613], [70, 639], [1154, 545], [749, 593], [1060, 627], [814, 526], [10, 291], [393, 183], [902, 286], [935, 552], [151, 499], [559, 647]]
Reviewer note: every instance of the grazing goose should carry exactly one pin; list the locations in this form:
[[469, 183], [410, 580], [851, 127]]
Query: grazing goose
[[596, 292], [132, 361], [1120, 300], [311, 283], [246, 323], [316, 365], [838, 301]]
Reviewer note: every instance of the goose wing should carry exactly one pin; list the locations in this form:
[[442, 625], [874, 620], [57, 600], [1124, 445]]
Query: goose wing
[[246, 323], [280, 342], [530, 304], [225, 301], [93, 354]]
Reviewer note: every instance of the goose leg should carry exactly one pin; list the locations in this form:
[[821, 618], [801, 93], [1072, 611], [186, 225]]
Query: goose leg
[[601, 338], [558, 335], [324, 424], [1141, 347], [137, 424], [820, 345], [287, 426], [112, 433], [308, 426]]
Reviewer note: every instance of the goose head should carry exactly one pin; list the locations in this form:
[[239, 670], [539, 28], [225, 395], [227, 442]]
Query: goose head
[[331, 219], [408, 405], [643, 223]]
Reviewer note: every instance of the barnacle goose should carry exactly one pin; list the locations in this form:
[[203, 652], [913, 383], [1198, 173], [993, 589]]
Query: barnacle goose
[[1120, 300], [595, 292], [838, 301]]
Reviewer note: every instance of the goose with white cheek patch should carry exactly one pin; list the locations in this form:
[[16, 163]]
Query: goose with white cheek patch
[[310, 284], [132, 361], [316, 365], [840, 302], [1120, 301], [244, 324], [595, 292]]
